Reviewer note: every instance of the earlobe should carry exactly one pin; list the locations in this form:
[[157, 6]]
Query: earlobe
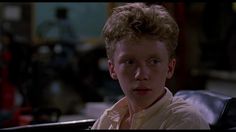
[[171, 68], [112, 70]]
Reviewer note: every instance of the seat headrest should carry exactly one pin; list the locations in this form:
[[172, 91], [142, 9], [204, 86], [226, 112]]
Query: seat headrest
[[211, 105]]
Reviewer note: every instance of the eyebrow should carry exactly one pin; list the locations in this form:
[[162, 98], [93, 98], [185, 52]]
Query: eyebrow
[[122, 56], [154, 56]]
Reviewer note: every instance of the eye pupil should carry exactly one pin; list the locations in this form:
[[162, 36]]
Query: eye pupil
[[154, 61], [129, 62]]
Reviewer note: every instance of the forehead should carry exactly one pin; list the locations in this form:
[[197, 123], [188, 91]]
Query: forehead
[[143, 43], [141, 47]]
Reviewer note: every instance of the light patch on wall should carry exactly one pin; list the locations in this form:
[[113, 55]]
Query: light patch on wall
[[234, 6], [12, 13]]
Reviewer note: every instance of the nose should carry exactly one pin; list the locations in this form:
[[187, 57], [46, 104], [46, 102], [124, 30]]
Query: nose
[[142, 73]]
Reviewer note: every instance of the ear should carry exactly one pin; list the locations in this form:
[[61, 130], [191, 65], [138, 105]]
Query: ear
[[112, 70], [171, 68]]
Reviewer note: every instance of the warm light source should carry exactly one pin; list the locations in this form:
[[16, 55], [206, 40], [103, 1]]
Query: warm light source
[[234, 6]]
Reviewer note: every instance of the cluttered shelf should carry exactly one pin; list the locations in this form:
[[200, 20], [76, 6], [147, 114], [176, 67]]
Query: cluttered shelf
[[215, 74], [220, 81]]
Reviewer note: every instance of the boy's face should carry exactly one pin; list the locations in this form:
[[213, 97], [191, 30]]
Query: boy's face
[[141, 68]]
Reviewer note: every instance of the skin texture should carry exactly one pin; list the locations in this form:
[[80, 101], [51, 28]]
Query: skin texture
[[141, 67]]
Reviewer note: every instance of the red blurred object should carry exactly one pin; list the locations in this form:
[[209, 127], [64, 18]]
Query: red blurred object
[[6, 56], [7, 89], [8, 96], [17, 117], [10, 114]]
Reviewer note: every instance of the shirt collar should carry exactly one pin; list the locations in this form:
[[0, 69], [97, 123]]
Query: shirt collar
[[159, 105], [119, 109]]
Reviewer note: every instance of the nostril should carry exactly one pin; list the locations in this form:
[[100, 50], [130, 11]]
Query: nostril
[[141, 75]]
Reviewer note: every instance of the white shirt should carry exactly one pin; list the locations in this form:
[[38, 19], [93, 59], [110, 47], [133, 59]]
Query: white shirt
[[167, 113]]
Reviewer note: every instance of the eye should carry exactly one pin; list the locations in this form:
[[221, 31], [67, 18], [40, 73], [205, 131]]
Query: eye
[[129, 62], [154, 61]]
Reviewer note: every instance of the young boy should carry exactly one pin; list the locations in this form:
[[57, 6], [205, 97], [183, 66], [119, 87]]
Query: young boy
[[140, 43]]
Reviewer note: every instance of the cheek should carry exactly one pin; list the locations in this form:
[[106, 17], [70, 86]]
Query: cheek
[[159, 72], [124, 73]]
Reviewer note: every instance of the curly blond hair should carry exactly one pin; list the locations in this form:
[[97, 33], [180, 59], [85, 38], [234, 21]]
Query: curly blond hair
[[135, 20]]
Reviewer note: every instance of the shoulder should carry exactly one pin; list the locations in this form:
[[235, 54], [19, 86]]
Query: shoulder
[[185, 115], [102, 122], [181, 104], [111, 115], [180, 107]]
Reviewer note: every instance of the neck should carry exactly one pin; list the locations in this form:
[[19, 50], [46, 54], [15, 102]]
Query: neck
[[135, 108], [158, 98]]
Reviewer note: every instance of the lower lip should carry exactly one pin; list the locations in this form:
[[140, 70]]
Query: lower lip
[[142, 91]]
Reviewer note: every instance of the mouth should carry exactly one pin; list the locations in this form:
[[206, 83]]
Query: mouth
[[142, 90]]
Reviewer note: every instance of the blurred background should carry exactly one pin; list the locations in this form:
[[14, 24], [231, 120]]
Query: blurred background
[[53, 63]]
